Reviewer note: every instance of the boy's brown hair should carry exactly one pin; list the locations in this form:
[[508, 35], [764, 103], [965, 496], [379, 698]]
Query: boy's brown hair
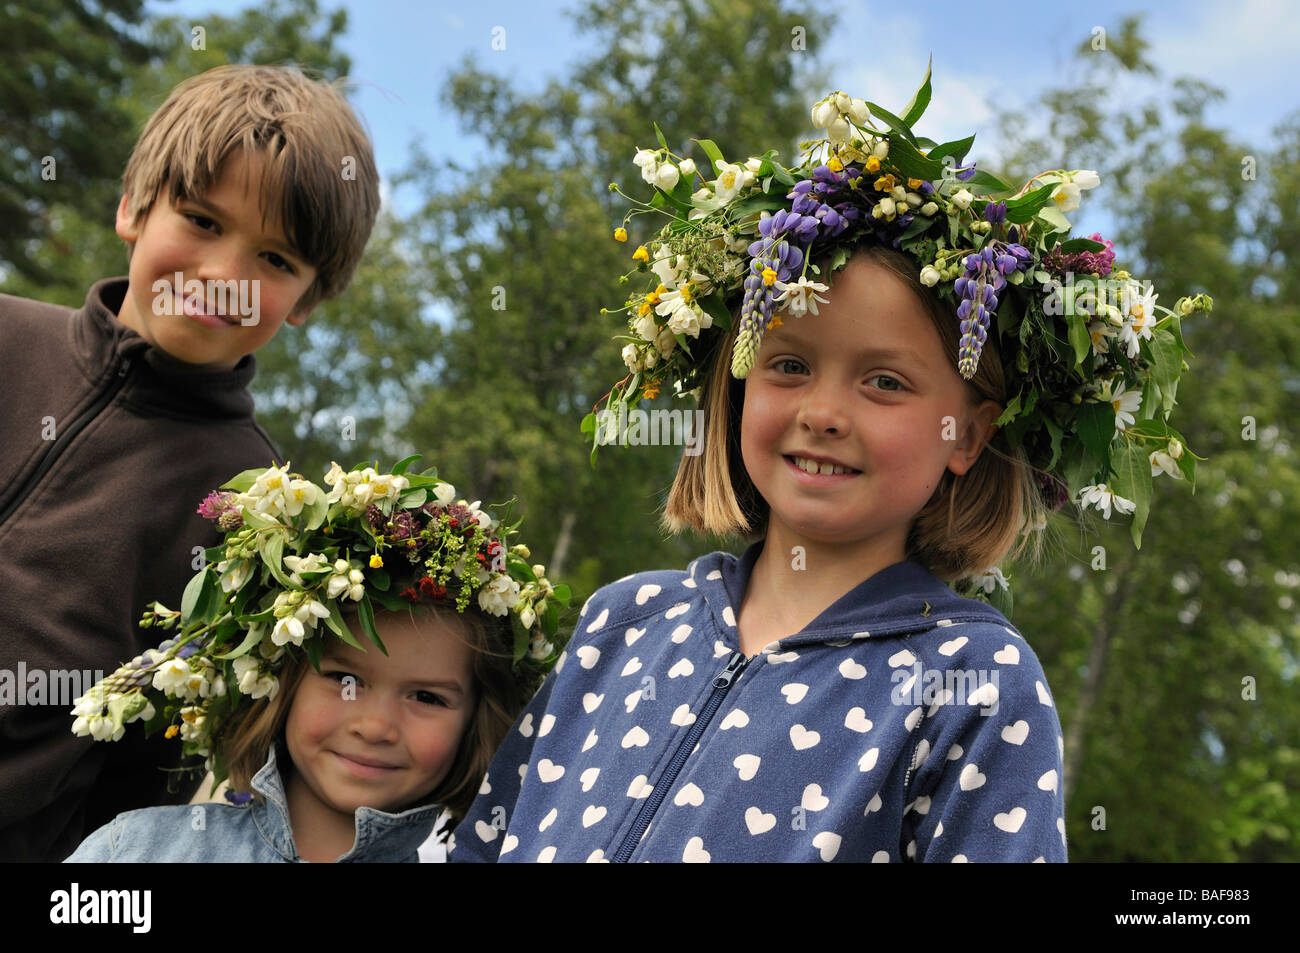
[[499, 698], [970, 523], [319, 181]]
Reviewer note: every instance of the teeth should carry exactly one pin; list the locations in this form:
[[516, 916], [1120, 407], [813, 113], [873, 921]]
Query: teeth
[[812, 466]]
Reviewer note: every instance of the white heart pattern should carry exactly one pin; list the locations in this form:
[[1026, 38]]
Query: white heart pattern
[[794, 692], [1048, 781], [868, 760], [677, 610], [591, 701], [851, 669], [640, 787], [549, 819], [631, 635], [803, 738], [1016, 733], [591, 740], [951, 647], [747, 766], [681, 669], [828, 842], [548, 771], [970, 777], [589, 655], [813, 799], [1010, 655], [690, 794], [1011, 821], [588, 778], [680, 634], [735, 719], [592, 815], [683, 716], [695, 852], [758, 822], [526, 726], [857, 720], [646, 593], [486, 832], [544, 729], [631, 668], [599, 621], [636, 738]]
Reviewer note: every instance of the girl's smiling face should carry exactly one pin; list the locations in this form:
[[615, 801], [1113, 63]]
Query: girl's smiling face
[[864, 395], [381, 731]]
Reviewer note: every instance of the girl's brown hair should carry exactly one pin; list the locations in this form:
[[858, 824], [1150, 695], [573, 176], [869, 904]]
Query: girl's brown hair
[[971, 522], [499, 698]]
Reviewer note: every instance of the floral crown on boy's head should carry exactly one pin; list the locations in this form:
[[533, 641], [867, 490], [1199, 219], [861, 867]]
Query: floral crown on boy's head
[[293, 555], [1092, 363]]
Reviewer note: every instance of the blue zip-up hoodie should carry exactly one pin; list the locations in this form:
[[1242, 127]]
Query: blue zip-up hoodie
[[258, 832], [904, 723]]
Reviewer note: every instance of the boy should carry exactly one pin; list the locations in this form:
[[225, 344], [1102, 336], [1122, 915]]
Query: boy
[[248, 199]]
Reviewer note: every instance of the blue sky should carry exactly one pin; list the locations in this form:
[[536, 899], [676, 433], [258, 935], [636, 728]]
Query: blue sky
[[402, 52]]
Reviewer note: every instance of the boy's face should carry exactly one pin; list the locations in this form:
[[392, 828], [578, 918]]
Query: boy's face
[[238, 280]]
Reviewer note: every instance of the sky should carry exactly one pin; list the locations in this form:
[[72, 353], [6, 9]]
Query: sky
[[985, 56]]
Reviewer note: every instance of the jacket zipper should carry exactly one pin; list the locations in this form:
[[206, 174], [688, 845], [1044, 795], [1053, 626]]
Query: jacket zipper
[[69, 434], [721, 684]]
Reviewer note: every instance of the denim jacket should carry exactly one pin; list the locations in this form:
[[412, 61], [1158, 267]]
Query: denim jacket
[[257, 832]]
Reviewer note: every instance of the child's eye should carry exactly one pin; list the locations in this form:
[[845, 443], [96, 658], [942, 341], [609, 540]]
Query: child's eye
[[877, 377], [338, 676], [201, 222], [788, 365], [279, 261], [429, 698]]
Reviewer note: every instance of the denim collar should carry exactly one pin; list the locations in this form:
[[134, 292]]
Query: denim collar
[[381, 836]]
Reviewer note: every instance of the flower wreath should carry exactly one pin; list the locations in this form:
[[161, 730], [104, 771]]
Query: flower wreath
[[1092, 362], [293, 554]]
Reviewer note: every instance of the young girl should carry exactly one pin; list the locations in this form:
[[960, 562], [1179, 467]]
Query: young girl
[[337, 752], [827, 696]]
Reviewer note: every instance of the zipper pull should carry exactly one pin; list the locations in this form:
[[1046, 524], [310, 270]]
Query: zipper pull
[[728, 674]]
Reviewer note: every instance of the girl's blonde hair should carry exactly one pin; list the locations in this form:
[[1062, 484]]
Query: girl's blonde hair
[[499, 698], [970, 524]]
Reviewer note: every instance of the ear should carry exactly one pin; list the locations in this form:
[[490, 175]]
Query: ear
[[127, 230], [979, 431], [298, 318]]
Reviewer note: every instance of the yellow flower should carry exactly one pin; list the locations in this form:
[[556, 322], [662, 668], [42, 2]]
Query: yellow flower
[[620, 234], [641, 254], [376, 561], [769, 276], [775, 323], [872, 164], [651, 390], [835, 165], [885, 183], [914, 183], [644, 309], [172, 731]]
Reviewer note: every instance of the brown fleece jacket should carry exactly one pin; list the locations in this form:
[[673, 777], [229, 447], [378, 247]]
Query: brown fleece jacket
[[107, 447]]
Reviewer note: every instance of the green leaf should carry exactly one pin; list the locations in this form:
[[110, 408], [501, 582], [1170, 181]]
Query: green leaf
[[758, 202], [984, 183], [403, 465], [339, 627], [716, 308], [915, 227], [909, 161], [314, 515], [244, 647], [521, 642], [367, 614], [893, 122], [1078, 244], [271, 548], [1001, 599], [550, 619], [413, 498], [1008, 415], [1079, 337], [1054, 217], [1023, 209], [712, 151], [916, 107], [663, 143], [1097, 427], [563, 594], [589, 422], [242, 481], [1133, 482], [1166, 360], [1055, 432], [957, 149], [379, 579], [312, 646], [191, 596]]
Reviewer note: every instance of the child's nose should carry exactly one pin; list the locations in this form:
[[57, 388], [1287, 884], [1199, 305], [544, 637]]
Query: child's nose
[[821, 409], [223, 261], [375, 719]]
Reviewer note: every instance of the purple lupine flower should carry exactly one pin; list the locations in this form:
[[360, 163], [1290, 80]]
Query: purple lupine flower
[[978, 288], [238, 798], [995, 213], [967, 174]]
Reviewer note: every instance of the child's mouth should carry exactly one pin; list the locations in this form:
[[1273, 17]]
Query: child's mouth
[[813, 467]]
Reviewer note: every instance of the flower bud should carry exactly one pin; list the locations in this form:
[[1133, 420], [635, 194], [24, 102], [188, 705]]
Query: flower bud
[[962, 199], [1086, 179], [928, 209], [823, 114], [859, 112], [929, 276], [667, 176], [687, 167], [886, 207], [843, 102], [838, 131], [881, 149], [1175, 449]]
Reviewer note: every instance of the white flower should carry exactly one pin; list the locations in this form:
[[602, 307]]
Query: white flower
[[1126, 404], [887, 208], [730, 180], [527, 617], [665, 342], [300, 493], [990, 579], [838, 131], [1100, 332], [250, 680], [267, 494], [962, 199], [1103, 498], [288, 630], [800, 297], [337, 480], [645, 328], [192, 720], [648, 163], [881, 149], [499, 596], [685, 320], [928, 209], [1066, 196], [1140, 317], [666, 177], [632, 357], [171, 676], [667, 269], [1086, 179], [1161, 461], [301, 564], [753, 165], [930, 276], [824, 113], [444, 493], [859, 112], [687, 167], [309, 612], [238, 575]]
